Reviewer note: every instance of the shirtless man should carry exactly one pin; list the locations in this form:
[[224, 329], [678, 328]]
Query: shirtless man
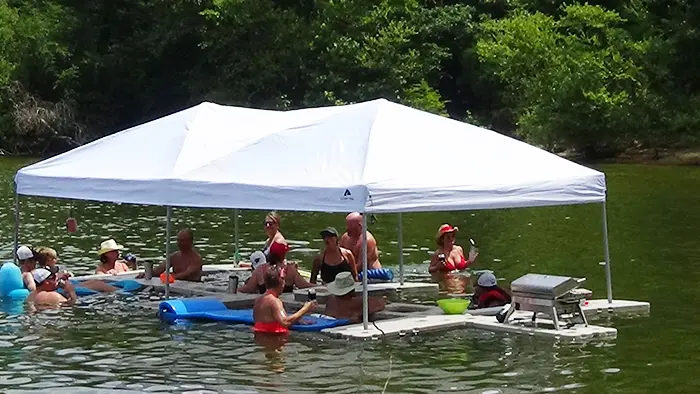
[[46, 286], [186, 263], [268, 312], [352, 239], [344, 302]]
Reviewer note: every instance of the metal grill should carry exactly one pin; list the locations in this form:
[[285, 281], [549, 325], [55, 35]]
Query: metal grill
[[558, 297]]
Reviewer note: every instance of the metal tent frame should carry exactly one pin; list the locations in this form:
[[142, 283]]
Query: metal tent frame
[[365, 308]]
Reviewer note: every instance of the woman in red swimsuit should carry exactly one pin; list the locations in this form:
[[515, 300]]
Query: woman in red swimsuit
[[268, 312], [448, 260], [448, 257]]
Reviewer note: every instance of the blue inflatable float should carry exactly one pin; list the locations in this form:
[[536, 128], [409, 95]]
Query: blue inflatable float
[[11, 283], [378, 274], [213, 309]]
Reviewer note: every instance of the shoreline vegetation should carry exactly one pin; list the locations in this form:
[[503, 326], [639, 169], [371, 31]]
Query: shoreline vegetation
[[595, 79]]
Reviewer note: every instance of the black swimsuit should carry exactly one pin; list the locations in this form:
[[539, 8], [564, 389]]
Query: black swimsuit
[[328, 272]]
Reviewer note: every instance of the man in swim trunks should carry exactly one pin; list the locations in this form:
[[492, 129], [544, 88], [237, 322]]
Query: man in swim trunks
[[186, 263], [46, 286], [268, 312], [344, 302], [352, 240]]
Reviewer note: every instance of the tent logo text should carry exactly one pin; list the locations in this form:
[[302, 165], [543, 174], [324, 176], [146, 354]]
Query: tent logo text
[[347, 195]]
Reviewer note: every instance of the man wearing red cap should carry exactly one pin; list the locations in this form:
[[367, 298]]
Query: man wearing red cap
[[287, 272]]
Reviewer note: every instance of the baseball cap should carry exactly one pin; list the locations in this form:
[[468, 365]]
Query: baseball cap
[[40, 275], [329, 232], [487, 279], [257, 258], [24, 253]]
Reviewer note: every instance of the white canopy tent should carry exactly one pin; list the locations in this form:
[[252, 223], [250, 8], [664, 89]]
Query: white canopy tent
[[373, 157]]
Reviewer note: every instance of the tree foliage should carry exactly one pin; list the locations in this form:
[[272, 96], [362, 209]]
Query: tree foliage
[[594, 77]]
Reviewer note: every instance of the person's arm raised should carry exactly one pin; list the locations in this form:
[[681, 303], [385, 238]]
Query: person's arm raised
[[70, 293], [289, 320]]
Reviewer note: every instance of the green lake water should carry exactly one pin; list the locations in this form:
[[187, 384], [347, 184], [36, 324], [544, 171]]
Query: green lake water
[[109, 344]]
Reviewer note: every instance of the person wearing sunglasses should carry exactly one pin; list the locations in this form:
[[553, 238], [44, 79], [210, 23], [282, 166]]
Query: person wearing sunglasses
[[45, 293], [272, 230]]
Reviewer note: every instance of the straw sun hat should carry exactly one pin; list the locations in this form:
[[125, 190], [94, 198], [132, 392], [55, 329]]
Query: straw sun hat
[[108, 246], [342, 285], [444, 229]]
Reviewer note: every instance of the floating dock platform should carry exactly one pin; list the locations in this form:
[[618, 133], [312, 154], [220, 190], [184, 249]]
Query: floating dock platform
[[432, 319], [401, 319]]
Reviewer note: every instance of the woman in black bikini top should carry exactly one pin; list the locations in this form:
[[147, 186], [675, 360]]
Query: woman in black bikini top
[[333, 259]]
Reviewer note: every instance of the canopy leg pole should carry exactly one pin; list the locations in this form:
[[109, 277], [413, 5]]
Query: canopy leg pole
[[365, 292], [236, 255], [16, 230], [400, 249], [608, 275], [169, 216]]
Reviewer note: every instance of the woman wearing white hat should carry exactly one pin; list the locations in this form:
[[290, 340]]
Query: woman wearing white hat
[[109, 258], [27, 263], [344, 302]]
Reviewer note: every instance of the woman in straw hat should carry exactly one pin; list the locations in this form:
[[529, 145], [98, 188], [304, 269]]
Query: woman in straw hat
[[345, 303], [109, 258]]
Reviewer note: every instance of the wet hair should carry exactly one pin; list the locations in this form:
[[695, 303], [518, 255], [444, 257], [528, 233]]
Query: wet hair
[[189, 233], [273, 279], [274, 258], [275, 217], [44, 253]]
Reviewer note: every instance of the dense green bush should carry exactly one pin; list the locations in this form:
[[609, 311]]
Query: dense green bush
[[595, 77]]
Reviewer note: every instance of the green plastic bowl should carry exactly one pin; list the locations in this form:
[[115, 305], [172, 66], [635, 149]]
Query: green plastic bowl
[[453, 306]]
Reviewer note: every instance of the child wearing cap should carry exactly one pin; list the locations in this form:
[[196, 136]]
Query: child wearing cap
[[488, 294]]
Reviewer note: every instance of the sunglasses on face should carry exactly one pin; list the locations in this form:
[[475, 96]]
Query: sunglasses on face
[[268, 223]]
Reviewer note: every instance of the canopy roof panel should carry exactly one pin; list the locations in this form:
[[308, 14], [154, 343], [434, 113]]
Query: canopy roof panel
[[373, 156]]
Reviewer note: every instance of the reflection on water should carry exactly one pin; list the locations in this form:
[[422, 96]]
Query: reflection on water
[[112, 342], [111, 345]]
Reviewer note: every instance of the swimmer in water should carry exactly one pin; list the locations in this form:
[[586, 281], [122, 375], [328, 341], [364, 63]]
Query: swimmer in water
[[109, 259], [186, 263], [268, 312]]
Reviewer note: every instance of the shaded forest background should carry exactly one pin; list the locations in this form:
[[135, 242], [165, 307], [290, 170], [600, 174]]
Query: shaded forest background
[[594, 78]]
